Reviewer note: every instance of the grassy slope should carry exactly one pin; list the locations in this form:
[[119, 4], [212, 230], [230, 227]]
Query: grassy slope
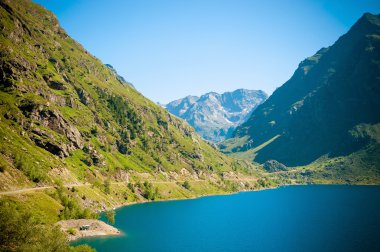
[[360, 167], [67, 123], [326, 115]]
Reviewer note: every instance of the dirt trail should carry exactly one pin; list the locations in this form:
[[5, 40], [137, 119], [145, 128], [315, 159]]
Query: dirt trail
[[40, 188], [25, 190], [33, 189]]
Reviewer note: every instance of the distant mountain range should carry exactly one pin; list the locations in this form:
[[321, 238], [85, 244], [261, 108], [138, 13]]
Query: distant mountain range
[[215, 116], [330, 106]]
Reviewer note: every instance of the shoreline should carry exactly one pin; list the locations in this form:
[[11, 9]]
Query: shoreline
[[223, 194], [203, 196], [190, 198], [84, 234]]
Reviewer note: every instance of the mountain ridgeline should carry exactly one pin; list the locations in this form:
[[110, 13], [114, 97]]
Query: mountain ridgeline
[[215, 116], [66, 116], [330, 106]]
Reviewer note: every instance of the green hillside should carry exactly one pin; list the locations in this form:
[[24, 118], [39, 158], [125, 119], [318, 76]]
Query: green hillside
[[328, 108], [75, 137]]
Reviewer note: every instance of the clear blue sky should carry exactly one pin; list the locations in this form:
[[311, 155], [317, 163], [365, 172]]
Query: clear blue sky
[[171, 49]]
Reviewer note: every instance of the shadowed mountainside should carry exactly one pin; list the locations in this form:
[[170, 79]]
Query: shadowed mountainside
[[330, 106]]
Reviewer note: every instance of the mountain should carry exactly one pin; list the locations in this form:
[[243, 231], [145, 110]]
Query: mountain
[[73, 126], [214, 116], [330, 106]]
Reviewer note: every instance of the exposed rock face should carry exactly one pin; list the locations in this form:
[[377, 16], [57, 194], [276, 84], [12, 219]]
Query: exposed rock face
[[96, 157], [83, 96], [56, 122], [214, 116], [57, 85], [317, 112], [49, 143], [53, 120], [14, 70]]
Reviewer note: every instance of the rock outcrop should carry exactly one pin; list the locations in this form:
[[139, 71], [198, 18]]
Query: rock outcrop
[[42, 115]]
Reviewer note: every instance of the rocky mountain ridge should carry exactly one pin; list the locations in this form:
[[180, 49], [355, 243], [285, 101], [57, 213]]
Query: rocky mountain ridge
[[329, 107], [214, 116]]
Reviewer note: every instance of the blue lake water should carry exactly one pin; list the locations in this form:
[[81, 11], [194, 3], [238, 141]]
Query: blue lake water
[[293, 218]]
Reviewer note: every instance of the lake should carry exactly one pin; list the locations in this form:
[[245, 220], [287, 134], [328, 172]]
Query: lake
[[292, 218]]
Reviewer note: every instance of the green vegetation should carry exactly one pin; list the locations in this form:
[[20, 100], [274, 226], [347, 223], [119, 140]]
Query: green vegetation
[[68, 123], [327, 111], [71, 208], [149, 191], [110, 216], [65, 103], [72, 231], [23, 231], [107, 186], [30, 170], [186, 185], [3, 165]]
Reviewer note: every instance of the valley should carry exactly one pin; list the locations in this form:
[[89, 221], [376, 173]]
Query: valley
[[77, 140]]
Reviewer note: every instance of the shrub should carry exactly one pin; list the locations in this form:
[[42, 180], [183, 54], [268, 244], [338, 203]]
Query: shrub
[[71, 208], [110, 216], [22, 231], [72, 231], [82, 248], [131, 187], [94, 131], [125, 195], [186, 185], [149, 191], [3, 165], [107, 186]]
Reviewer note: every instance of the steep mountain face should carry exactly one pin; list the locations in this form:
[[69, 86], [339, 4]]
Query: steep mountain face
[[65, 115], [214, 116], [331, 105]]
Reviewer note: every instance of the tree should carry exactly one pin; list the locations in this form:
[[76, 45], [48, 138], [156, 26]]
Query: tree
[[150, 192], [21, 230], [186, 185], [110, 215], [107, 186]]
